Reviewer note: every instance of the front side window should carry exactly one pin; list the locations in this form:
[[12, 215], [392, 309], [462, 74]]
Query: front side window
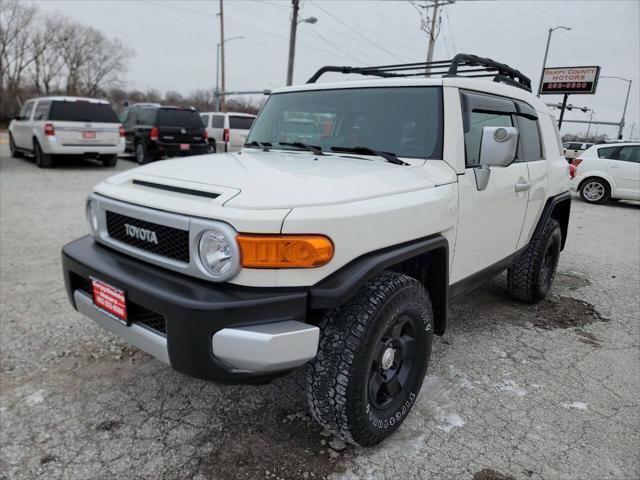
[[406, 121], [82, 111], [630, 154], [607, 152], [25, 113], [42, 111]]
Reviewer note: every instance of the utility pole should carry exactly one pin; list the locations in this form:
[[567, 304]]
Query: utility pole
[[546, 53], [432, 37], [223, 106], [589, 127], [292, 39]]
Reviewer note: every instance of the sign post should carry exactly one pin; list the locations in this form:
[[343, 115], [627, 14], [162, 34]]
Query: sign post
[[569, 80]]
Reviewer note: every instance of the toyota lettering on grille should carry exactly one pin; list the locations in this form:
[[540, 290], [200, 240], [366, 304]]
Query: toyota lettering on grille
[[141, 233]]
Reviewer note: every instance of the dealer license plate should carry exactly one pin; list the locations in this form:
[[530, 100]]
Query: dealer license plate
[[110, 300]]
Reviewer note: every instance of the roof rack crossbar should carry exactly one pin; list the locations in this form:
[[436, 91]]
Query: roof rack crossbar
[[462, 65]]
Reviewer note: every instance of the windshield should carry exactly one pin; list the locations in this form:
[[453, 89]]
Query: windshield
[[406, 121], [82, 111], [173, 117]]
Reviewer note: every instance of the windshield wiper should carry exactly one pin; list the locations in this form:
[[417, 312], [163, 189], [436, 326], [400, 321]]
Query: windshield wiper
[[388, 156], [312, 148], [263, 145]]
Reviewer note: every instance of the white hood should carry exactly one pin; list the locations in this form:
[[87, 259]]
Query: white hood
[[259, 180]]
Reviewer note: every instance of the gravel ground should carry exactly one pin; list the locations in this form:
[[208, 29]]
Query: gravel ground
[[513, 391]]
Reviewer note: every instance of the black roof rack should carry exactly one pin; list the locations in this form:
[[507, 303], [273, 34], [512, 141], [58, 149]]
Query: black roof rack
[[462, 65]]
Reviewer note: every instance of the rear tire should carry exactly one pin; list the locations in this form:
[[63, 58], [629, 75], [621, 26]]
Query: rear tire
[[212, 146], [141, 154], [110, 161], [42, 159], [372, 358], [15, 153], [595, 190], [530, 278]]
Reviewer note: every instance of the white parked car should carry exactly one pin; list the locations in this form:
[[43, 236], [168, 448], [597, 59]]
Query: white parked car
[[573, 149], [341, 252], [71, 126], [607, 171], [227, 131]]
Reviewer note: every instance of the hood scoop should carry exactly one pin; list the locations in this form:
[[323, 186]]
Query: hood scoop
[[173, 188]]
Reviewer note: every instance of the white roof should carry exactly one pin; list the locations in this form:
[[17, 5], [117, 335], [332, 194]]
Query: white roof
[[64, 98], [616, 144], [481, 85], [235, 114]]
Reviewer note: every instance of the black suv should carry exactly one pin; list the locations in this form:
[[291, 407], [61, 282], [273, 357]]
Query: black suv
[[153, 131]]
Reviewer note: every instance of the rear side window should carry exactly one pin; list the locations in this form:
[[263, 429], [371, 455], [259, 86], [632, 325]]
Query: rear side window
[[529, 139], [173, 117], [82, 112], [42, 111], [217, 121], [240, 123], [146, 116], [606, 152], [205, 120], [629, 154]]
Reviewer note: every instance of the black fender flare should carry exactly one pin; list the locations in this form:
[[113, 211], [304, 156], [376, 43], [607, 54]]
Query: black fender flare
[[558, 207], [337, 288]]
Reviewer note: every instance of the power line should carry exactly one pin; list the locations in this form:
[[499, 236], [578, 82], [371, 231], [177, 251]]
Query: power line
[[316, 33], [350, 27], [446, 14]]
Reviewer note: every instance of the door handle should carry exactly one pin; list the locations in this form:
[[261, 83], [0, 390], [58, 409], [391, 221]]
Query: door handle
[[523, 186]]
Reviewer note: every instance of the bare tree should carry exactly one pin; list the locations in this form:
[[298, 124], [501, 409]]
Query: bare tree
[[106, 61], [16, 42], [47, 52]]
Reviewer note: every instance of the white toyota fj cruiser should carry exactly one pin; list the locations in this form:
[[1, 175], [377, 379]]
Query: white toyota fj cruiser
[[340, 251]]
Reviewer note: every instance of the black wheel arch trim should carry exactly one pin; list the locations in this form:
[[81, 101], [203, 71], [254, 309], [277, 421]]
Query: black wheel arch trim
[[432, 270], [558, 207]]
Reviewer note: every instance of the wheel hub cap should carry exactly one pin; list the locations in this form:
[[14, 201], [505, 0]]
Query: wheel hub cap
[[387, 358]]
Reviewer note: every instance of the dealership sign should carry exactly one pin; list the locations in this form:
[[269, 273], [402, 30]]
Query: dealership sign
[[569, 80]]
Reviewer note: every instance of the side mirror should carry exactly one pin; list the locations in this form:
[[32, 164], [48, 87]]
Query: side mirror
[[498, 147]]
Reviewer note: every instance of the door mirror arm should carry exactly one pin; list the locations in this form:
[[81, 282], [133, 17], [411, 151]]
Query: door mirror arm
[[498, 147]]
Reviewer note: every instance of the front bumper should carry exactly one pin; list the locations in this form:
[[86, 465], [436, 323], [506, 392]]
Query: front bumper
[[216, 332]]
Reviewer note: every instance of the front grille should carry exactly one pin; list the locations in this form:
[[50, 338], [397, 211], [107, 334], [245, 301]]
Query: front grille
[[172, 242], [135, 312]]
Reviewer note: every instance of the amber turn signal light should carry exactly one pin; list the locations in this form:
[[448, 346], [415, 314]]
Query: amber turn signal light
[[284, 251]]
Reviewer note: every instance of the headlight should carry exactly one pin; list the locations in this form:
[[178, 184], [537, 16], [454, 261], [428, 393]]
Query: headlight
[[219, 254], [92, 216]]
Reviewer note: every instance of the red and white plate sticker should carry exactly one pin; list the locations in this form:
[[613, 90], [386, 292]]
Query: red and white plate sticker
[[110, 299]]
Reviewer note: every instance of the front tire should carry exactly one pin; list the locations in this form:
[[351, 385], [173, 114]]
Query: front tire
[[15, 153], [595, 190], [530, 278], [372, 358], [42, 159]]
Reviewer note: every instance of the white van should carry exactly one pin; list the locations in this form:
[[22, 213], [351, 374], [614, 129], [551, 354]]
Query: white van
[[227, 131], [77, 126]]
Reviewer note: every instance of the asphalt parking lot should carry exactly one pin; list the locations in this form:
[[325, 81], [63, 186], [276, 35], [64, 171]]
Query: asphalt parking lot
[[513, 391]]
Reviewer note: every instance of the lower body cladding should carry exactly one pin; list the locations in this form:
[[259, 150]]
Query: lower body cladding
[[215, 332]]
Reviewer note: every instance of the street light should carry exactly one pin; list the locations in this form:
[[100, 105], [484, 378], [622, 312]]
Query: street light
[[624, 110], [546, 52], [217, 98], [292, 37]]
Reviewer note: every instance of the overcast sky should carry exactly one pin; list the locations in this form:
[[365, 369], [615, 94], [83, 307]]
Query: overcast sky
[[175, 41]]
